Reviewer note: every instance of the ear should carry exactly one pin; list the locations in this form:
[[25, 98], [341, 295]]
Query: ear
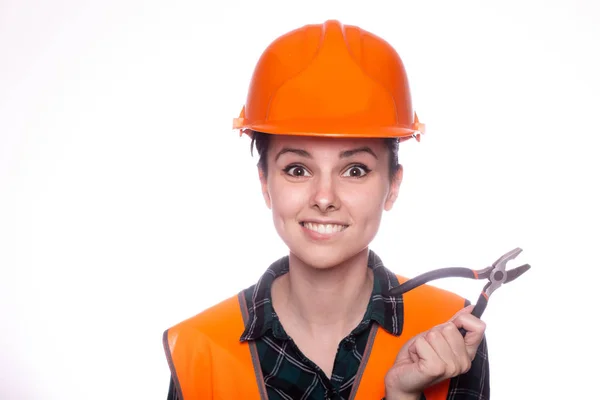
[[394, 189], [264, 187]]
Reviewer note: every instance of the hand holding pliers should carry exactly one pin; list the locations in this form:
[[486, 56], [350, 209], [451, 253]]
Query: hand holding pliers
[[496, 274]]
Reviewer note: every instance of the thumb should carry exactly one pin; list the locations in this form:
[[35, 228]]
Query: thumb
[[466, 310]]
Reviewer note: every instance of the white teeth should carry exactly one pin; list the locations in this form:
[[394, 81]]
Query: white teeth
[[324, 228]]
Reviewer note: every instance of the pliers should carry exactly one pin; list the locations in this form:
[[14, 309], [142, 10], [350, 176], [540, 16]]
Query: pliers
[[496, 274]]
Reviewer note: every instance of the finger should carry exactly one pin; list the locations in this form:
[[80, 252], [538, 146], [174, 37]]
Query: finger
[[475, 330], [408, 352], [430, 363], [474, 326], [458, 346], [442, 347]]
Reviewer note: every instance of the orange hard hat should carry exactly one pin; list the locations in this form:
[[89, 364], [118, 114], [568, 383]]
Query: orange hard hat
[[330, 80]]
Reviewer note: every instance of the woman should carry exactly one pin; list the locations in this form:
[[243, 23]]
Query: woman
[[327, 106]]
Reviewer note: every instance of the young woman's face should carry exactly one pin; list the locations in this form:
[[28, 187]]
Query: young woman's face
[[327, 195]]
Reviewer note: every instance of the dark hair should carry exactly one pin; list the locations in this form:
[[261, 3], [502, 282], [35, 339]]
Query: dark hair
[[260, 140]]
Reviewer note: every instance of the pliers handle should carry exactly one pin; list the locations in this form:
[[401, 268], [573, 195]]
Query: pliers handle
[[496, 274]]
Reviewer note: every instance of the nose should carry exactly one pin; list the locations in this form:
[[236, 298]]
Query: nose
[[325, 196]]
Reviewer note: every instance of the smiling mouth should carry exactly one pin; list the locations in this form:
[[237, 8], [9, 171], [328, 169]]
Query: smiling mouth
[[323, 228]]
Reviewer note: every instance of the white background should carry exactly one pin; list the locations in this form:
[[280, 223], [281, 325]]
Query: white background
[[127, 203]]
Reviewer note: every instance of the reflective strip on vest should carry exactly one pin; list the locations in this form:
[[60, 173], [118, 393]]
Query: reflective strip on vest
[[208, 361]]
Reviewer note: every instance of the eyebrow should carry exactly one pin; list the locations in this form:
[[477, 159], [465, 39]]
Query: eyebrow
[[343, 154], [350, 153], [302, 153]]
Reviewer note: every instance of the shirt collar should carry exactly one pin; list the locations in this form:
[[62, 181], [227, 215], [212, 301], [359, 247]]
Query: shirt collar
[[383, 308]]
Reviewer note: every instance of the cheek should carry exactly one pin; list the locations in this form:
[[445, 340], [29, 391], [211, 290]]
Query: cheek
[[287, 200], [366, 202]]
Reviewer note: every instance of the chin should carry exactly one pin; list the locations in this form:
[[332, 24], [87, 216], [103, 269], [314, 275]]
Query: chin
[[324, 257]]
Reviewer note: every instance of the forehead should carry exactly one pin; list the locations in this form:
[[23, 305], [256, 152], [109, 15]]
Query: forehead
[[317, 144]]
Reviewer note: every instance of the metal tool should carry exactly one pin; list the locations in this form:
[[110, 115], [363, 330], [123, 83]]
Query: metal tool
[[496, 274]]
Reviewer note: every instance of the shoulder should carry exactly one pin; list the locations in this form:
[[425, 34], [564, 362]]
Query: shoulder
[[432, 295], [221, 316], [427, 305]]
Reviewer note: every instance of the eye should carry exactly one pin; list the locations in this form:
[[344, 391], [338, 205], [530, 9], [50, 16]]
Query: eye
[[296, 171], [357, 171]]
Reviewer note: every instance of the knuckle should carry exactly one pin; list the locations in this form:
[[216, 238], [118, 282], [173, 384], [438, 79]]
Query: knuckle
[[448, 328], [437, 370], [457, 368], [432, 335], [451, 370], [465, 365], [462, 317], [457, 371]]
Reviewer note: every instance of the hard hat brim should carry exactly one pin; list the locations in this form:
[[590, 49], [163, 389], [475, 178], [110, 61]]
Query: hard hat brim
[[338, 131]]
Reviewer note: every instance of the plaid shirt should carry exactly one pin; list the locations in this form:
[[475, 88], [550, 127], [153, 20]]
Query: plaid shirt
[[290, 375]]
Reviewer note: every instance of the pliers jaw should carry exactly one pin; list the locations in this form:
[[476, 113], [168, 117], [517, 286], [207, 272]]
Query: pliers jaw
[[497, 274]]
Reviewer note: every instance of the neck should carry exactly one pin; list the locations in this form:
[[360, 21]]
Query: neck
[[331, 300]]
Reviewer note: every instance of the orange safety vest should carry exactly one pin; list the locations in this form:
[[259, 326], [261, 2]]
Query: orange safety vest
[[208, 361]]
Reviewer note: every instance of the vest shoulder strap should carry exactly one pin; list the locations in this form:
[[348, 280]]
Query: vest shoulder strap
[[206, 356]]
